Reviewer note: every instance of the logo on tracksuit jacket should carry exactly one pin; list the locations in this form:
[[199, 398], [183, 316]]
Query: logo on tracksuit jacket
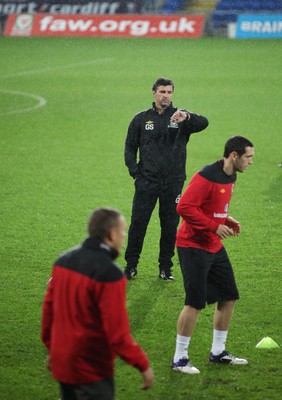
[[149, 125], [178, 198]]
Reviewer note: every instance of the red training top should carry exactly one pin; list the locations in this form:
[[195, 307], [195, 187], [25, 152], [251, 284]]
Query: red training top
[[203, 207], [84, 321]]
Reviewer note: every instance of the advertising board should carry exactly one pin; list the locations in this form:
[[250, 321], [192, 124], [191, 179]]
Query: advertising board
[[8, 7], [176, 26], [259, 26]]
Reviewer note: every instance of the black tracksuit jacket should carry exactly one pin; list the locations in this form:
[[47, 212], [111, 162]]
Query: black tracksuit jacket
[[161, 144]]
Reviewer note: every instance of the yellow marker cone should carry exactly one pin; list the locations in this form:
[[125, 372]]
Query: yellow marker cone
[[267, 343]]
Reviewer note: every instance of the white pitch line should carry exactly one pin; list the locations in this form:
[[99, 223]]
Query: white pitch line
[[49, 69], [41, 102]]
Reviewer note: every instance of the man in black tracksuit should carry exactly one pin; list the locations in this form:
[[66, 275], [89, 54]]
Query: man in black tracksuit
[[160, 134]]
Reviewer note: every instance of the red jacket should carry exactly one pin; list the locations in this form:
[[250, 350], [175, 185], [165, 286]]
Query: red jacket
[[203, 206], [84, 321]]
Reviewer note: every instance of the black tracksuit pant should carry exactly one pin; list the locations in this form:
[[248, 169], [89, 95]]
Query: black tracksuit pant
[[145, 198]]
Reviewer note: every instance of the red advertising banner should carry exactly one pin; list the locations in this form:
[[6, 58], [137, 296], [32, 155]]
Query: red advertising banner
[[162, 26]]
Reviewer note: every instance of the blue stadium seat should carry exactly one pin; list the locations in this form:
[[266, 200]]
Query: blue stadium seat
[[224, 6], [271, 5], [240, 6], [170, 6], [226, 11]]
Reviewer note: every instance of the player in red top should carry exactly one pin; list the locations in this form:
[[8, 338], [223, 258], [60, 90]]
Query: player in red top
[[207, 272], [84, 320]]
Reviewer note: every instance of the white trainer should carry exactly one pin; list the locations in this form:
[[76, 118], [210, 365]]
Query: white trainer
[[227, 358], [184, 365]]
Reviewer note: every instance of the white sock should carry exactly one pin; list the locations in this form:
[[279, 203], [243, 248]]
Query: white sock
[[182, 344], [219, 340]]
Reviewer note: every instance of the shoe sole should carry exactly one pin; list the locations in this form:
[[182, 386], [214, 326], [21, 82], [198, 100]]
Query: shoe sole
[[183, 371], [226, 362], [166, 279]]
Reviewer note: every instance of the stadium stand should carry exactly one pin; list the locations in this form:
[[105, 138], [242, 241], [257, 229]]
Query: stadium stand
[[226, 11], [200, 6], [172, 6]]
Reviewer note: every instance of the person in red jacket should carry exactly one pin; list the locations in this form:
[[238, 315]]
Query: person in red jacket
[[207, 272], [84, 319]]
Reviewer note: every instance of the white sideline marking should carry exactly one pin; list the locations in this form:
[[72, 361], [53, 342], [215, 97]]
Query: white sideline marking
[[41, 101], [49, 69]]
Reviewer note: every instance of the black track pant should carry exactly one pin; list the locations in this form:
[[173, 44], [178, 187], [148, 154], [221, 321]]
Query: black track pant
[[145, 198], [99, 390]]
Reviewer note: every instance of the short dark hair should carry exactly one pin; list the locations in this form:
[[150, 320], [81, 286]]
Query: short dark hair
[[101, 221], [238, 144], [162, 82]]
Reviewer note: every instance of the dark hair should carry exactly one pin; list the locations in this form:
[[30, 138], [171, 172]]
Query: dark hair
[[162, 82], [238, 144], [101, 221]]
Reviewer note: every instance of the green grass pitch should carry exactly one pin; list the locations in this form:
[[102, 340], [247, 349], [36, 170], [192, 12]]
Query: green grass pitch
[[62, 158]]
